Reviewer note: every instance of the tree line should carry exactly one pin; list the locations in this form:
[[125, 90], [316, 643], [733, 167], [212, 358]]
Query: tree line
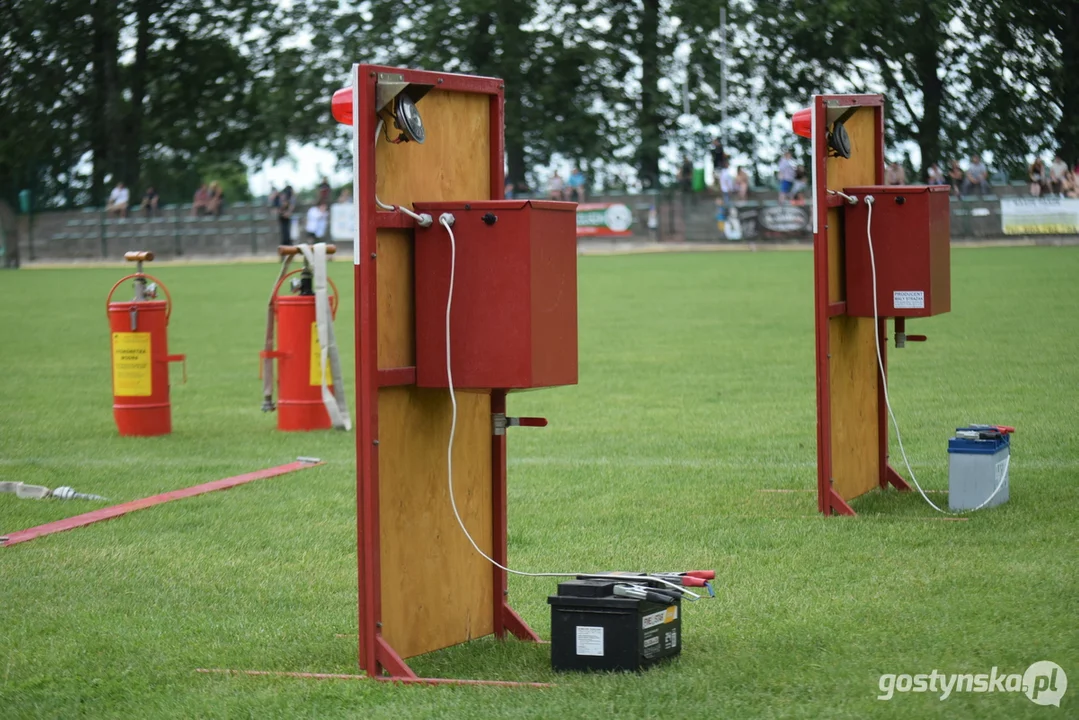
[[171, 92]]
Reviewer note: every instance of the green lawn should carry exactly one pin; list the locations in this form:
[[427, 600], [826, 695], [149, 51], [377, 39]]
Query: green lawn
[[696, 392]]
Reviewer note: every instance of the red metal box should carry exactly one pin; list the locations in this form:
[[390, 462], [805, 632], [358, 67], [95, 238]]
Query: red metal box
[[911, 246], [514, 312]]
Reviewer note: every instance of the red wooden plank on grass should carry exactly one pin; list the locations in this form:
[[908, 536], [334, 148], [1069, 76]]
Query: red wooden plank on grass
[[118, 510], [380, 678]]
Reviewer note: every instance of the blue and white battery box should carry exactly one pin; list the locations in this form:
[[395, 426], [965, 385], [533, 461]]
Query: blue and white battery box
[[978, 460]]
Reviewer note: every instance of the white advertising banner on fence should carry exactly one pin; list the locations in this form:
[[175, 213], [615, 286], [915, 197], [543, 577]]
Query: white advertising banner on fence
[[1039, 216], [343, 222]]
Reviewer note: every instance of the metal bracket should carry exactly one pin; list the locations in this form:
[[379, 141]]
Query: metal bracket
[[388, 87], [499, 422]]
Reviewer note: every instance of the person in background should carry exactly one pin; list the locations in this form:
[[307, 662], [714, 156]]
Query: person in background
[[798, 189], [323, 192], [149, 202], [201, 203], [1056, 175], [118, 201], [741, 184], [894, 174], [977, 177], [346, 195], [719, 157], [726, 184], [955, 177], [786, 176], [317, 219], [286, 205], [215, 199], [555, 187], [721, 212], [685, 174], [1039, 181], [935, 175], [1069, 186], [507, 192], [576, 186]]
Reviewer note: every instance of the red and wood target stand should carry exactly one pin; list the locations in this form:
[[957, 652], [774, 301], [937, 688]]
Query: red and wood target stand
[[422, 587], [852, 417]]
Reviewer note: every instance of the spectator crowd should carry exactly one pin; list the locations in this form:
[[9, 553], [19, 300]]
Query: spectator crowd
[[731, 185], [209, 201]]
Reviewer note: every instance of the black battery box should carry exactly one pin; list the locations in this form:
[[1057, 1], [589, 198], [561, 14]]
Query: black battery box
[[594, 629]]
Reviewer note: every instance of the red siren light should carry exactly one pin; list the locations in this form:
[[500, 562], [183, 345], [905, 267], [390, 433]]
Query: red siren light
[[801, 122], [341, 106]]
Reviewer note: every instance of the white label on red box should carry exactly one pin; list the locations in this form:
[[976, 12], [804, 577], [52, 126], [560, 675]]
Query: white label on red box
[[590, 641], [909, 299]]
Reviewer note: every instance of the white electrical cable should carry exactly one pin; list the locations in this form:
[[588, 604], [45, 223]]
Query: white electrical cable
[[884, 380], [446, 220], [422, 219], [852, 199]]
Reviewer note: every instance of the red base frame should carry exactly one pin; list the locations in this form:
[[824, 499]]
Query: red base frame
[[413, 680]]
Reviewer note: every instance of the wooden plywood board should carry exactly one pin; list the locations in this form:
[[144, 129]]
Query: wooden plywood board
[[436, 590], [853, 363], [396, 299], [854, 377]]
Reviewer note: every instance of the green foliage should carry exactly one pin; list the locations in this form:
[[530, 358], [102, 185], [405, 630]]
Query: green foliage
[[1024, 79], [231, 176], [539, 49], [899, 48], [97, 90], [149, 91], [960, 77]]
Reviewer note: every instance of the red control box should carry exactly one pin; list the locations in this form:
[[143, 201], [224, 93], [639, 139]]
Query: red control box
[[911, 246], [513, 322]]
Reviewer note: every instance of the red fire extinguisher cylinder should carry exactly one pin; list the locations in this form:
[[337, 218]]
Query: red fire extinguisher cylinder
[[300, 406], [140, 356]]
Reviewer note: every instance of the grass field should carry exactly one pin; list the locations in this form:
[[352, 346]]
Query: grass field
[[696, 393]]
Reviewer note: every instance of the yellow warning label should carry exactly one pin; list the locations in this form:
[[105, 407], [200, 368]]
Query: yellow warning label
[[316, 357], [671, 615], [131, 375]]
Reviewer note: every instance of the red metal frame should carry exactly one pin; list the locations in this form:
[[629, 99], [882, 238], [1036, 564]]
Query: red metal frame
[[398, 680], [375, 654], [828, 500]]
